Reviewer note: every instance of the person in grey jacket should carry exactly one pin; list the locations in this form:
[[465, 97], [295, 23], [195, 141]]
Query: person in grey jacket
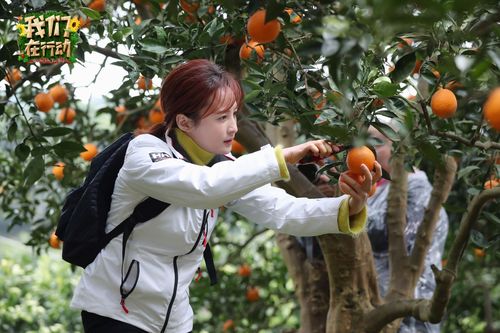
[[186, 162], [419, 191]]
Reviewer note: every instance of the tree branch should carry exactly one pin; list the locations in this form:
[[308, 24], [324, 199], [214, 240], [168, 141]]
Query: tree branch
[[468, 220], [396, 221], [443, 181], [479, 144]]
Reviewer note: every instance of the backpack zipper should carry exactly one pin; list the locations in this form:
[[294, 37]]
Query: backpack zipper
[[176, 272]]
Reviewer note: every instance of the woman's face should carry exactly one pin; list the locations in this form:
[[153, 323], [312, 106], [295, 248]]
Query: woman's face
[[215, 132], [383, 149]]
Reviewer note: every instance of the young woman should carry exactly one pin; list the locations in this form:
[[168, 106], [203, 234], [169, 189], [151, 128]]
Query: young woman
[[186, 162]]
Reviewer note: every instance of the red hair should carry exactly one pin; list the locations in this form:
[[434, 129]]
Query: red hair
[[196, 89]]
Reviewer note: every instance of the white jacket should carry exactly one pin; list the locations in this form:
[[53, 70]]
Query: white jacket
[[161, 246]]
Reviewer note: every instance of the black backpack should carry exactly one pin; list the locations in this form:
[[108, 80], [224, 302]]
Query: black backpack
[[82, 223]]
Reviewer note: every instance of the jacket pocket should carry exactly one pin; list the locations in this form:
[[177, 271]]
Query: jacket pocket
[[129, 282]]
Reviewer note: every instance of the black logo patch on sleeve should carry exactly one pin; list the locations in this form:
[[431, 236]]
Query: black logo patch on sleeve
[[160, 156]]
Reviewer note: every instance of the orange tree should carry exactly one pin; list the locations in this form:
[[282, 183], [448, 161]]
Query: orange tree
[[334, 69]]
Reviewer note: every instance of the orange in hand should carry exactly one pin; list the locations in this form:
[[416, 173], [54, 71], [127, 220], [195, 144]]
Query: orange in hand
[[360, 155]]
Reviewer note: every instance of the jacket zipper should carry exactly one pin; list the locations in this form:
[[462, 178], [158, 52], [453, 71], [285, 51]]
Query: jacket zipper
[[176, 272]]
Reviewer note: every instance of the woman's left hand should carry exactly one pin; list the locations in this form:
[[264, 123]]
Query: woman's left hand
[[359, 191], [317, 148]]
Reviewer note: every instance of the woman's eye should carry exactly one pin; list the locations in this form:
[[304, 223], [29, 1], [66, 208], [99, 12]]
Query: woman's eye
[[222, 118]]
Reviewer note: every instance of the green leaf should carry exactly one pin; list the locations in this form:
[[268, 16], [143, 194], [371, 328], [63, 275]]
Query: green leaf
[[383, 87], [22, 151], [429, 151], [491, 217], [466, 171], [403, 67], [90, 13], [386, 130], [478, 239], [57, 131], [65, 148], [252, 96], [127, 31], [8, 50], [211, 27], [11, 132], [117, 36], [129, 62], [33, 171], [151, 45]]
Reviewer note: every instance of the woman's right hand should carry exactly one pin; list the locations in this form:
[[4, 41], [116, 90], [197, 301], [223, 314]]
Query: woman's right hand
[[318, 148]]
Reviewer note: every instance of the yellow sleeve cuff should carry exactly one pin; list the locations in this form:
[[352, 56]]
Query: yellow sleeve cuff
[[278, 150], [351, 225]]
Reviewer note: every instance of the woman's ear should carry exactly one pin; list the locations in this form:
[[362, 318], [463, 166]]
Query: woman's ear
[[184, 123]]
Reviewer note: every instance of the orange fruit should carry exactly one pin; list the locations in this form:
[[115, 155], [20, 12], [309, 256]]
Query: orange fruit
[[252, 294], [252, 46], [378, 102], [84, 22], [58, 170], [90, 153], [188, 6], [14, 76], [141, 83], [228, 325], [138, 20], [156, 116], [444, 103], [98, 5], [44, 102], [66, 115], [54, 241], [491, 183], [360, 155], [226, 39], [237, 148], [479, 253], [260, 30], [120, 108], [211, 9], [294, 17], [491, 109], [244, 270], [59, 93]]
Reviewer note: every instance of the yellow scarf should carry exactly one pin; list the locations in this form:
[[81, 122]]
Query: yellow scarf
[[197, 154]]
